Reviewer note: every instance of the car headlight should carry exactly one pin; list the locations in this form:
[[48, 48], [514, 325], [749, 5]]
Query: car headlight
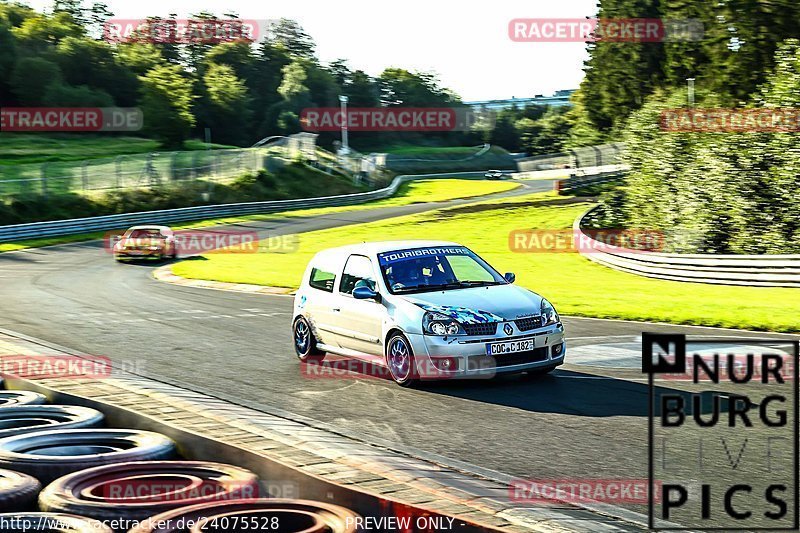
[[439, 324], [548, 312]]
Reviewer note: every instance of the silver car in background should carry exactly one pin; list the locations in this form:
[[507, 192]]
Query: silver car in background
[[424, 310]]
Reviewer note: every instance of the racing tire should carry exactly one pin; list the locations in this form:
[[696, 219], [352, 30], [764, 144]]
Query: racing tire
[[17, 491], [13, 398], [20, 419], [284, 515], [114, 492], [48, 455], [305, 343], [400, 361], [50, 523]]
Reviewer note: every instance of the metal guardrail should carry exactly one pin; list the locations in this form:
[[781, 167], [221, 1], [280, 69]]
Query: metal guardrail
[[750, 270], [587, 156], [88, 225], [577, 180]]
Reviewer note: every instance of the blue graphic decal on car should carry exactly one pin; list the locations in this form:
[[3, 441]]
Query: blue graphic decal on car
[[463, 315]]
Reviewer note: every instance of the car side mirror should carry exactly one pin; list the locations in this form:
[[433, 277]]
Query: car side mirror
[[510, 277], [365, 293]]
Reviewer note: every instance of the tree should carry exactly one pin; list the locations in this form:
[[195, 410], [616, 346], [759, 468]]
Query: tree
[[30, 79], [504, 133], [166, 102], [400, 87], [84, 61], [8, 57], [226, 105], [139, 57], [59, 95], [362, 90], [289, 35]]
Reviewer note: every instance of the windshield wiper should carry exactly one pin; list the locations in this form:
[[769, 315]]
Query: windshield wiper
[[436, 287], [472, 283]]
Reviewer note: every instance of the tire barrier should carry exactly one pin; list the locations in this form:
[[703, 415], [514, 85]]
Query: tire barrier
[[137, 491], [16, 420], [9, 398], [48, 455], [286, 516], [49, 523], [17, 491]]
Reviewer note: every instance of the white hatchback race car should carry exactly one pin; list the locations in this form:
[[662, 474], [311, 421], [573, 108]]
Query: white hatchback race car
[[424, 310]]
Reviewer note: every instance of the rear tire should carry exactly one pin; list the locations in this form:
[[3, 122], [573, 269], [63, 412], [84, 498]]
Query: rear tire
[[305, 343], [400, 361]]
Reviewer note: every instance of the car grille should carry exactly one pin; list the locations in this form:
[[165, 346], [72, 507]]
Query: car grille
[[487, 328], [520, 358], [527, 324]]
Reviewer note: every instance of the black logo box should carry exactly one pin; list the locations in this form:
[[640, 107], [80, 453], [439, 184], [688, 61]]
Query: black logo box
[[665, 366]]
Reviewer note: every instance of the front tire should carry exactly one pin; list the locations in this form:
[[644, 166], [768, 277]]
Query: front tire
[[305, 344], [400, 361]]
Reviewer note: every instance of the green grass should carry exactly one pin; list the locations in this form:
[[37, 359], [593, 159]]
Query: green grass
[[575, 285], [23, 148], [409, 193]]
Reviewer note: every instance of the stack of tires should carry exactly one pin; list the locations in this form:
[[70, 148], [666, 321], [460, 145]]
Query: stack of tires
[[104, 480]]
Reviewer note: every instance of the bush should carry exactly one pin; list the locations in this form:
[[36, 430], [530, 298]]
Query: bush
[[293, 181]]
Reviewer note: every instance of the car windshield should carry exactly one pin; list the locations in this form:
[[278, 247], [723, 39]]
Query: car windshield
[[435, 268], [145, 234]]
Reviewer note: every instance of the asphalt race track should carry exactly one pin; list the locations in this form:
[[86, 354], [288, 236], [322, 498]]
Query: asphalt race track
[[588, 419]]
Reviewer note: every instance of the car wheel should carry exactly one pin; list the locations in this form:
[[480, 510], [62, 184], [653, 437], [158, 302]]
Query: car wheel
[[48, 455], [17, 491], [400, 360], [109, 492], [305, 344]]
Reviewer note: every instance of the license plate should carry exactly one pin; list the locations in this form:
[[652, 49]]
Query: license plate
[[501, 348]]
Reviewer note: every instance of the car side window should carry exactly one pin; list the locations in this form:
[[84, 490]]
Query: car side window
[[357, 273], [321, 280]]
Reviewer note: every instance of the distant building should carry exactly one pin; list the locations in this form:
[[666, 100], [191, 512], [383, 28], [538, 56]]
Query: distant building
[[559, 98]]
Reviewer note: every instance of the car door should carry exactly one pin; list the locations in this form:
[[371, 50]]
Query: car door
[[321, 300], [358, 322]]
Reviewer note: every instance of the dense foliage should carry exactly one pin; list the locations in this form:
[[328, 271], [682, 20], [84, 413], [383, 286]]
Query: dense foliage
[[242, 91], [709, 192]]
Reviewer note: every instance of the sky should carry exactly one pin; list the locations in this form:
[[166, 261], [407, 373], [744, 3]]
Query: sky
[[465, 43]]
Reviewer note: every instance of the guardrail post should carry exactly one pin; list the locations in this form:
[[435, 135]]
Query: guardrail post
[[573, 159]]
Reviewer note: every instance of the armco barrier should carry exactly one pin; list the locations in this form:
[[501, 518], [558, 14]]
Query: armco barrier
[[109, 222], [577, 180], [751, 270]]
